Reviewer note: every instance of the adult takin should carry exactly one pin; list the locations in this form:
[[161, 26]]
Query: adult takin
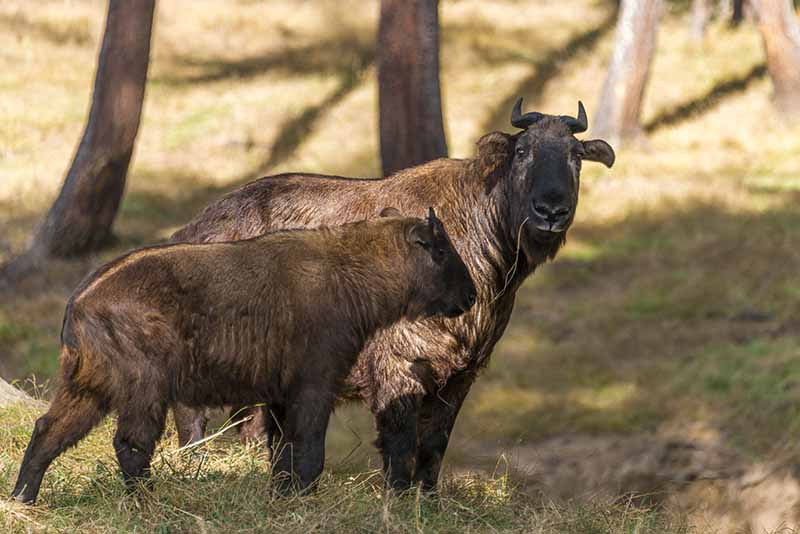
[[279, 318], [507, 210]]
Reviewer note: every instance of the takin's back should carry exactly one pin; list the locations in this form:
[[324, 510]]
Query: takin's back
[[210, 313], [298, 200]]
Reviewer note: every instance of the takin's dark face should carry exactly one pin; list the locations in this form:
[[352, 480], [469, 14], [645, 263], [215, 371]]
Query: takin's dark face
[[544, 173], [442, 283]]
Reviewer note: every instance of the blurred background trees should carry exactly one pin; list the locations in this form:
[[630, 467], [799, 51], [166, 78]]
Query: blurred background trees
[[780, 34], [411, 128], [619, 109], [701, 12]]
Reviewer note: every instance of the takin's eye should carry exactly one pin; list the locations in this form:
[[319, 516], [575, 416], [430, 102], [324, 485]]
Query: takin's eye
[[521, 151], [438, 254]]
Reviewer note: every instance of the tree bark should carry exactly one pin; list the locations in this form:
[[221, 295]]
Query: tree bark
[[80, 219], [617, 115], [411, 128], [701, 12], [780, 33], [737, 14]]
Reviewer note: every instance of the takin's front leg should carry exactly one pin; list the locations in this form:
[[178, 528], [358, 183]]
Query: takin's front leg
[[437, 416], [396, 421], [300, 457], [139, 427]]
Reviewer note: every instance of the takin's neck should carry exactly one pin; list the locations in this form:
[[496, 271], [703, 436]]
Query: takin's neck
[[372, 293], [492, 245]]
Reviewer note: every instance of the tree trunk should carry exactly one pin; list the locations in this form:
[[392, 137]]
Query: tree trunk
[[780, 33], [80, 219], [737, 15], [617, 115], [408, 84], [701, 11]]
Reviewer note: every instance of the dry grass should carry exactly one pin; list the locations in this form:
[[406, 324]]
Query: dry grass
[[223, 486], [674, 305]]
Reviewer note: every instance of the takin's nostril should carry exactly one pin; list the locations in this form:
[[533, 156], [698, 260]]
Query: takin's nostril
[[471, 298], [561, 211], [551, 213]]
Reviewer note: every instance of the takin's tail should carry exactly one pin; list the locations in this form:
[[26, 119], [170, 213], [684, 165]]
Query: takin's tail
[[70, 363], [70, 354]]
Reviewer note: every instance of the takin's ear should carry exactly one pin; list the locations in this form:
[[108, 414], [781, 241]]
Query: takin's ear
[[435, 225], [599, 150], [420, 234], [390, 212], [495, 151]]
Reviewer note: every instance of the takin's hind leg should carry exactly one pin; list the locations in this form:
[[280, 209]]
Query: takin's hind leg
[[139, 428], [253, 428], [71, 416], [190, 423]]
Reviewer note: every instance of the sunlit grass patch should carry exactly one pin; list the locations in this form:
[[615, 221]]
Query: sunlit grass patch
[[531, 412], [195, 124], [606, 397], [581, 251], [773, 182]]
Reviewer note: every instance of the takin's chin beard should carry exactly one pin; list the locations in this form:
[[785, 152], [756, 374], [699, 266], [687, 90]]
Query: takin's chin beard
[[540, 245]]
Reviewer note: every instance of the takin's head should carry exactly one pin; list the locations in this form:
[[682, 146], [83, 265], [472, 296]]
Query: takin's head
[[539, 171], [442, 284]]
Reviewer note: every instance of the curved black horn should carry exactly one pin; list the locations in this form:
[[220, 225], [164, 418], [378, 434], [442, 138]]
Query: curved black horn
[[577, 125], [523, 121]]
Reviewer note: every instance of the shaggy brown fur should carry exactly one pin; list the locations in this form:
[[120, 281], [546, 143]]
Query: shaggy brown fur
[[507, 211], [277, 319]]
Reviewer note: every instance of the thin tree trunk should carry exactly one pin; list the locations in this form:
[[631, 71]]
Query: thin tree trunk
[[780, 33], [411, 126], [617, 115], [701, 11], [737, 15], [80, 219]]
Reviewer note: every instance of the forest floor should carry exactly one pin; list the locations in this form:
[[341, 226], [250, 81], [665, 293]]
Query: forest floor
[[650, 373]]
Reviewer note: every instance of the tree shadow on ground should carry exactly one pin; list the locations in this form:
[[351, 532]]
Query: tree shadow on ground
[[73, 32], [545, 70], [333, 55], [346, 56], [294, 130], [704, 103]]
